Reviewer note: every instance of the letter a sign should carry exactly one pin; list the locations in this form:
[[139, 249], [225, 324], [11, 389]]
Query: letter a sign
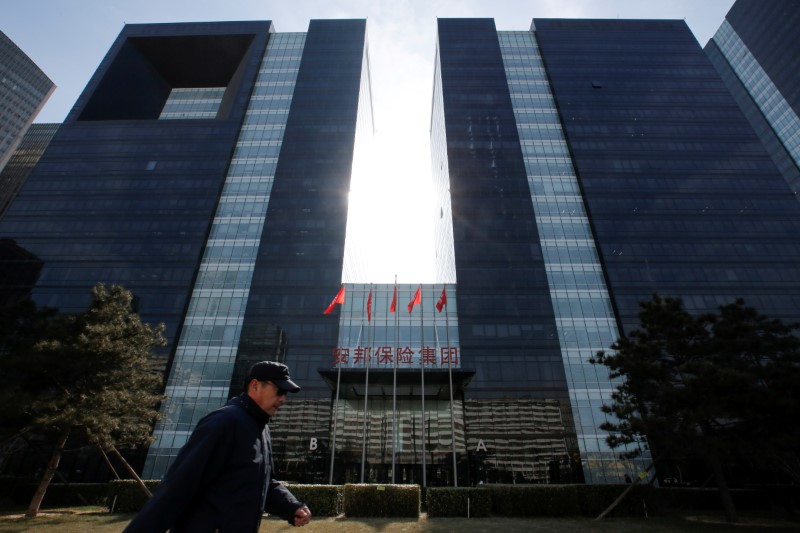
[[481, 446]]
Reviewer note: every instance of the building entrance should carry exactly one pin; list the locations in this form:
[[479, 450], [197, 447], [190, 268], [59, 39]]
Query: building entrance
[[403, 437]]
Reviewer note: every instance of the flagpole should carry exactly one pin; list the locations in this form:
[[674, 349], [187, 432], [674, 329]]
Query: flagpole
[[338, 381], [366, 390], [422, 392], [394, 382], [450, 376], [336, 408], [335, 419]]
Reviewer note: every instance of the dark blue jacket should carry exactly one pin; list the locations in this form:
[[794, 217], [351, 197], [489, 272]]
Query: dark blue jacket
[[221, 479]]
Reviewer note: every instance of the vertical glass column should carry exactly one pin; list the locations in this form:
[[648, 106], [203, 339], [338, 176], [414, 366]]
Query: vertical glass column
[[780, 115], [201, 370], [582, 305]]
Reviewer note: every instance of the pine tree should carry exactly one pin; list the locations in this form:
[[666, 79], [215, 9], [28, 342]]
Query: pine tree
[[711, 385], [91, 372]]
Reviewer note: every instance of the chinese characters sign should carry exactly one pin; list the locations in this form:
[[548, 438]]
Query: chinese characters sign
[[405, 356]]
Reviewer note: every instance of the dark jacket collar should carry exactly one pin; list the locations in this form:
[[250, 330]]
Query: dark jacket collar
[[251, 408]]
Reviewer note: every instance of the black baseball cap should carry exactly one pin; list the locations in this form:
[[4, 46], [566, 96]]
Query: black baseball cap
[[277, 373]]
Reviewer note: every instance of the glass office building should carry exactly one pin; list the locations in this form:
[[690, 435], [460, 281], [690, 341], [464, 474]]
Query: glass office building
[[24, 89], [581, 167], [757, 53], [24, 159], [206, 168]]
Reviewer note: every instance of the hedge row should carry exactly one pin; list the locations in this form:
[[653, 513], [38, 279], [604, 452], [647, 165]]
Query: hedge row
[[450, 501], [323, 500], [538, 500], [382, 500], [125, 496], [534, 500]]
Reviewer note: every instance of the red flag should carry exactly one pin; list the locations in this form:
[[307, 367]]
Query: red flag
[[369, 307], [338, 299], [417, 299], [442, 301], [393, 307]]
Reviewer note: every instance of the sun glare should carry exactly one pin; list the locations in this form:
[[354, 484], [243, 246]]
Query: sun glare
[[390, 224]]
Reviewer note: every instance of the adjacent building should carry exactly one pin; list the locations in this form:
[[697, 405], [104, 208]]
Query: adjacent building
[[24, 89], [24, 159], [581, 167], [206, 167], [757, 54]]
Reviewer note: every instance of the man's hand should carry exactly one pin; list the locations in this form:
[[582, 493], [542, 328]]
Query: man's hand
[[302, 516]]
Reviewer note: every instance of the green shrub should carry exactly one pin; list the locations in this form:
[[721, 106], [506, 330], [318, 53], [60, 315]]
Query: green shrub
[[381, 500], [534, 500], [323, 500], [452, 501], [594, 499], [125, 495]]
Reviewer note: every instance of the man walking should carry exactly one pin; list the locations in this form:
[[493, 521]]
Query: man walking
[[222, 479]]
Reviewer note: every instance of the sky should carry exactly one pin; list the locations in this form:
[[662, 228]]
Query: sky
[[391, 211]]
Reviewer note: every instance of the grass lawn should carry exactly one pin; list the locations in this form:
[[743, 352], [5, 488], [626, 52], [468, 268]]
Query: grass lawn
[[84, 519]]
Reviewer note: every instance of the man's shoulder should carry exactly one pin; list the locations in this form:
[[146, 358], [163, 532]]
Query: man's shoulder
[[230, 413]]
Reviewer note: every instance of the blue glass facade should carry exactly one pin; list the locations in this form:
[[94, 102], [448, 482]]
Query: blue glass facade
[[122, 197], [206, 168], [683, 198], [24, 89], [581, 303], [769, 31], [642, 176], [200, 377], [578, 167], [301, 256], [507, 325], [301, 253], [503, 298], [756, 52], [22, 163]]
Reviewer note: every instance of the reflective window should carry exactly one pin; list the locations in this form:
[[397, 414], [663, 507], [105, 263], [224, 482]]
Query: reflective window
[[200, 377], [582, 306], [192, 103]]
